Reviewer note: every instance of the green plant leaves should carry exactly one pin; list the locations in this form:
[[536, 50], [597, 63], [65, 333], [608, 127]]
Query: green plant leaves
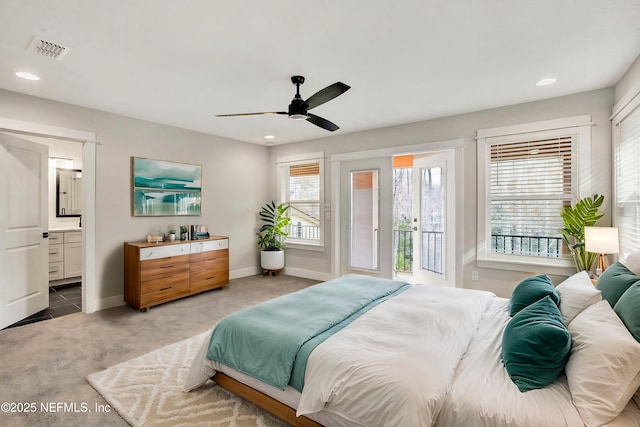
[[273, 231], [584, 214]]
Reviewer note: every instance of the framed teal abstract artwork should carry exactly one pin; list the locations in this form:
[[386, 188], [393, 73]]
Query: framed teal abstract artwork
[[162, 188]]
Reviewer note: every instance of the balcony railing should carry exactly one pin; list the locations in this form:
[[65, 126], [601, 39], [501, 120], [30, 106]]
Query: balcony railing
[[431, 251], [432, 242], [541, 246], [404, 250], [307, 232]]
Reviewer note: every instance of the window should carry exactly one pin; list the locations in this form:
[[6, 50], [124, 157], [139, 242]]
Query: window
[[301, 186], [524, 181], [626, 142]]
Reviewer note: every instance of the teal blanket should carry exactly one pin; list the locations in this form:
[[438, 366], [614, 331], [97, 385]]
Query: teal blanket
[[265, 340]]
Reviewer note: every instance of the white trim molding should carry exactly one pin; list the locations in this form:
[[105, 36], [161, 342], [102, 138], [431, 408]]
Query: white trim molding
[[90, 301]]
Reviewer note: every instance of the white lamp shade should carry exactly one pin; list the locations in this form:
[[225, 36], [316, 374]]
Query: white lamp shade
[[601, 240]]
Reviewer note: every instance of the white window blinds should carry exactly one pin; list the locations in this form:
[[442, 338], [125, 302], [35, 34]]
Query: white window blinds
[[529, 183], [304, 200], [627, 182]]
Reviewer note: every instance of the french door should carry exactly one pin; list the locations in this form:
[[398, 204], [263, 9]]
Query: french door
[[434, 219]]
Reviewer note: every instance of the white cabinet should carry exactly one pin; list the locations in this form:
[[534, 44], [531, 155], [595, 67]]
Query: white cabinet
[[65, 257]]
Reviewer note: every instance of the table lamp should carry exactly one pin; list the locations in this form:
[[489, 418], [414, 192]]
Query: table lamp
[[601, 240]]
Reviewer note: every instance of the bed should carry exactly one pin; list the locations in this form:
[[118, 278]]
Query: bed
[[423, 355]]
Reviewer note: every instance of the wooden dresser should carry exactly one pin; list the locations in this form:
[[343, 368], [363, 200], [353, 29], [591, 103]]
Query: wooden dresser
[[155, 273]]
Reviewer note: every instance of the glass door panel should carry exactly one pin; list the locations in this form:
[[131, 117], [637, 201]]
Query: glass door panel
[[363, 251]]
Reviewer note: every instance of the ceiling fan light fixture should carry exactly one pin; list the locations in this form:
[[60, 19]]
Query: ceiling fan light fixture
[[298, 116]]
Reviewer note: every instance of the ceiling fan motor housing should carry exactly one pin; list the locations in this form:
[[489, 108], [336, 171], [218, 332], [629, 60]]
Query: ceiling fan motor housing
[[298, 109]]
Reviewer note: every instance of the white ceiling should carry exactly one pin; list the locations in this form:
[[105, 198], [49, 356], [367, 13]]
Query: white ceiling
[[182, 62]]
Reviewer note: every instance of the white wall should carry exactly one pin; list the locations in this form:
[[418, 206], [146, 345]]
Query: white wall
[[233, 191], [596, 103], [628, 82]]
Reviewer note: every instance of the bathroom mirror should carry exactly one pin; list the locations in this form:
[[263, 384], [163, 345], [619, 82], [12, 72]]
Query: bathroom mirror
[[68, 192]]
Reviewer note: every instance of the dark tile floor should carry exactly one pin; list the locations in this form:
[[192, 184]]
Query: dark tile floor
[[63, 300]]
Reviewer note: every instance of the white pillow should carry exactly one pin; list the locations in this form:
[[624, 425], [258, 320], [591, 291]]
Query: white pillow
[[632, 262], [576, 293], [603, 370]]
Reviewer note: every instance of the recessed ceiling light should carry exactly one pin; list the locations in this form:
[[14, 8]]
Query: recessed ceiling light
[[546, 82], [27, 76], [269, 137]]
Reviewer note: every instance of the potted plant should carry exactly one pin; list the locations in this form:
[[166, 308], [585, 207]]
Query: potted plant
[[172, 234], [272, 234], [183, 232], [584, 214]]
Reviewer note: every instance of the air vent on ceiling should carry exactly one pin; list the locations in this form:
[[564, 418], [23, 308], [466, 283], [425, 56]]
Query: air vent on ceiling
[[48, 48]]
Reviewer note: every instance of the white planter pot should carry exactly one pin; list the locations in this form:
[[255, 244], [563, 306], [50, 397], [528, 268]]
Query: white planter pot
[[272, 260]]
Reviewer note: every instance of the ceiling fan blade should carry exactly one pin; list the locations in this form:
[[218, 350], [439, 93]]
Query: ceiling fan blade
[[251, 114], [326, 94], [323, 123]]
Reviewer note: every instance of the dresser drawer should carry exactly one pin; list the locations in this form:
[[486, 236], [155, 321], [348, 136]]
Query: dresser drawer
[[209, 256], [56, 253], [167, 293], [156, 269], [164, 251], [165, 283], [208, 279], [209, 245]]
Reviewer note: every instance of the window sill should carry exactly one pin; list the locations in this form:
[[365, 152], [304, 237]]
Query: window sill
[[305, 246], [559, 267]]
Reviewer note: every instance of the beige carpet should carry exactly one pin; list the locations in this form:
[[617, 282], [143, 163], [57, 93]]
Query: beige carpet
[[147, 391]]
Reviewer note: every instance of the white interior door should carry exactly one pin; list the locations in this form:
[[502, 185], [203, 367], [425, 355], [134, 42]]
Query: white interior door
[[24, 287], [434, 219], [366, 202]]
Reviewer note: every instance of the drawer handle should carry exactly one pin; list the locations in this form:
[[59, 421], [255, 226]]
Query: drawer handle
[[166, 266], [164, 289], [53, 271], [210, 278]]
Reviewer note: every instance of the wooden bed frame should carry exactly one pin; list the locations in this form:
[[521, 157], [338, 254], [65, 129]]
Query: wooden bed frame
[[265, 402]]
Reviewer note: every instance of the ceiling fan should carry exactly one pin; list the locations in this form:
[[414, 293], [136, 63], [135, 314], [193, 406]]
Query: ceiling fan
[[299, 108]]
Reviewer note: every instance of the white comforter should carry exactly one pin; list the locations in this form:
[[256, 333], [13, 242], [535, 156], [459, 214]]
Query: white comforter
[[482, 395], [394, 365]]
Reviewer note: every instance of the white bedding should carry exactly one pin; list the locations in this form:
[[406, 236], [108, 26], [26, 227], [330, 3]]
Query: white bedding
[[430, 356], [393, 365], [483, 395]]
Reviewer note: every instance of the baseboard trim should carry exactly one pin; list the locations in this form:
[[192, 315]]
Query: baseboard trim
[[307, 274], [110, 302], [244, 272]]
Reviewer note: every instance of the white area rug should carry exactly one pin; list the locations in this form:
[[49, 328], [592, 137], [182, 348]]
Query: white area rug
[[147, 391]]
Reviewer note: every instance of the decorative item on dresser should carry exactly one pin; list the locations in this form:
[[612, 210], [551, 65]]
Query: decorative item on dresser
[[65, 256], [155, 273]]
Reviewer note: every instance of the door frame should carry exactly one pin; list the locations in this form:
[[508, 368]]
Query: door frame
[[89, 141], [438, 146]]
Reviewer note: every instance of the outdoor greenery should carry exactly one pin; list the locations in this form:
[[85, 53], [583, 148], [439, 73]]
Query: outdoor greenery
[[273, 231], [584, 214]]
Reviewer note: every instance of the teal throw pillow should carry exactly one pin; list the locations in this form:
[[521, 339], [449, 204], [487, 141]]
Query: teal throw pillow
[[536, 345], [614, 281], [628, 309], [530, 290]]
